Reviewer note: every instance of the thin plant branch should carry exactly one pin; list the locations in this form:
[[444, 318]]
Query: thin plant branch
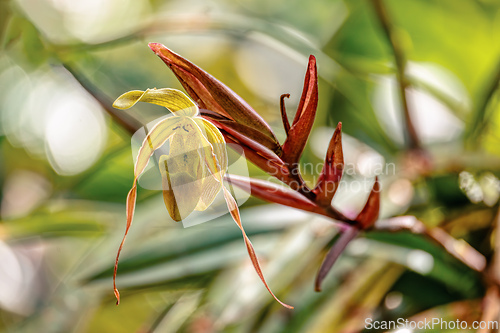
[[491, 308], [127, 122], [400, 61], [495, 262], [491, 300], [481, 115], [459, 249]]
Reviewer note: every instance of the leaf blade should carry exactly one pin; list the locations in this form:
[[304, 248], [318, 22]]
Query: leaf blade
[[333, 254]]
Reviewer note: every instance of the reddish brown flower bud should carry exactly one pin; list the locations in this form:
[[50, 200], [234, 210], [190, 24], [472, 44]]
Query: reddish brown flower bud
[[304, 118], [369, 214], [333, 168], [209, 93]]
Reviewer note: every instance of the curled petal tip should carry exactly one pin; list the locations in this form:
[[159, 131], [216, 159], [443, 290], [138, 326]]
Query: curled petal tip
[[117, 295], [161, 51], [155, 47]]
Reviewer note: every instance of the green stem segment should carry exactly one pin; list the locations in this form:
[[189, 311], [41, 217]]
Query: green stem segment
[[482, 116], [413, 141]]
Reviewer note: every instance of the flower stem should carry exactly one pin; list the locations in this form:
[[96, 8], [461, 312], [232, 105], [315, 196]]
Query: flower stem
[[413, 141]]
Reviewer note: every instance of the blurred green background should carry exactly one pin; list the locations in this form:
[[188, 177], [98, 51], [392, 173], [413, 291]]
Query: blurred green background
[[66, 166]]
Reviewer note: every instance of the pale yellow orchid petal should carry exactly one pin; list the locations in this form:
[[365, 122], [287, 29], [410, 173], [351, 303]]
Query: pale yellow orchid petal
[[211, 184], [216, 139], [174, 100], [210, 188], [158, 135], [181, 172], [181, 192]]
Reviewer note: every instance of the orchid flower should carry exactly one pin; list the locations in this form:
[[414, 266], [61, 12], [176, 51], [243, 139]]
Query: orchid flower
[[241, 124], [193, 170]]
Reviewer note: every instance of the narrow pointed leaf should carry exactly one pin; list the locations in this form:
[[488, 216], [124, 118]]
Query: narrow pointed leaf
[[304, 118], [369, 214], [210, 93], [333, 254], [274, 193], [333, 168]]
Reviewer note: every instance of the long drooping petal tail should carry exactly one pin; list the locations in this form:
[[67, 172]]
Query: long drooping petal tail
[[235, 213], [132, 194], [160, 133], [214, 167]]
